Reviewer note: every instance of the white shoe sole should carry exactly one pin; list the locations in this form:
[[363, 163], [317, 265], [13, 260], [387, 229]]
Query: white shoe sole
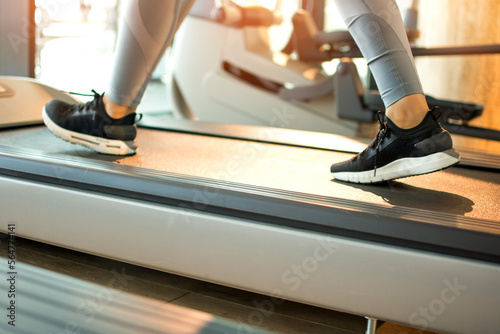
[[403, 168], [98, 144]]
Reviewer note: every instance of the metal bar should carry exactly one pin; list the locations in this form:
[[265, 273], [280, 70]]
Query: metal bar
[[442, 51], [458, 51], [472, 131], [371, 327]]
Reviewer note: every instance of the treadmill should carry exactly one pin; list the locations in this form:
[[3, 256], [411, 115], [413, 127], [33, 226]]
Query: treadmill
[[256, 209]]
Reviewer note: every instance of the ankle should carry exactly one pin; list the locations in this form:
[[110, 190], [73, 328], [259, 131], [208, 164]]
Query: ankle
[[408, 112], [115, 110], [406, 120]]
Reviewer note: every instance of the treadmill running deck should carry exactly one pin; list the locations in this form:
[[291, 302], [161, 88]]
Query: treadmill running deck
[[459, 191]]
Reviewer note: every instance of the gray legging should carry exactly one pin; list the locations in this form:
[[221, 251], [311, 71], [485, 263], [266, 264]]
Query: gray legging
[[378, 29], [148, 28]]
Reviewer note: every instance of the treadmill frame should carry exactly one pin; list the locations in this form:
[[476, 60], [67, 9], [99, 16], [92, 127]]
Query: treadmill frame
[[428, 270]]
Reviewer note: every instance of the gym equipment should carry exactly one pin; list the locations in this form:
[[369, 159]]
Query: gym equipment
[[236, 206], [231, 75], [353, 101]]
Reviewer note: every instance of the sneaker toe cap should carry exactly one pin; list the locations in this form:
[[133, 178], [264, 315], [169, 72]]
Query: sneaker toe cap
[[56, 107]]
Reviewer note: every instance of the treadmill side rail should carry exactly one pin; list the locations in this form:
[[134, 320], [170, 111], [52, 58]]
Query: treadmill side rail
[[381, 281], [409, 227]]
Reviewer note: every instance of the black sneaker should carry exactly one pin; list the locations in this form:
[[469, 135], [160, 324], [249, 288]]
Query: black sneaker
[[89, 125], [397, 153]]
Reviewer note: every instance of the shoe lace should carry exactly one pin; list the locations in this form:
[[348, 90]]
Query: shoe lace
[[380, 137], [92, 104], [94, 93]]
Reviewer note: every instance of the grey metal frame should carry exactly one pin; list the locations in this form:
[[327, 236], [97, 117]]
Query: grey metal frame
[[408, 227]]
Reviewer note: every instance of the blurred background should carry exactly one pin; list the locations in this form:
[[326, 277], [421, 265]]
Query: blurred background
[[74, 43]]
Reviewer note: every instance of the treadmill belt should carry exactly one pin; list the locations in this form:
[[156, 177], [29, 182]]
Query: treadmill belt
[[459, 191]]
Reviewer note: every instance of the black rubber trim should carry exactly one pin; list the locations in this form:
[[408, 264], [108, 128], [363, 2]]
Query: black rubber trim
[[406, 227]]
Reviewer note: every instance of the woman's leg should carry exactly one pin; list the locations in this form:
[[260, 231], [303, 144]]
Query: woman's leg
[[147, 29], [107, 124], [378, 29], [410, 141]]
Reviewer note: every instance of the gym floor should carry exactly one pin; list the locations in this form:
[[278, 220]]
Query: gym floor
[[236, 305]]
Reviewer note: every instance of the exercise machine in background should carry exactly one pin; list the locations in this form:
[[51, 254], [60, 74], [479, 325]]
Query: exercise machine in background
[[230, 74]]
